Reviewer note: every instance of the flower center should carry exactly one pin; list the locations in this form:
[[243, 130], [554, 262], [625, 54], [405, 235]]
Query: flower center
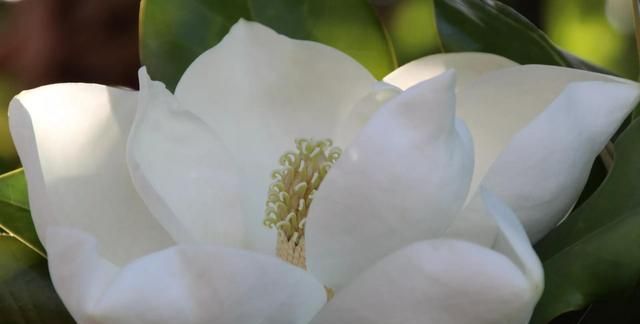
[[291, 194]]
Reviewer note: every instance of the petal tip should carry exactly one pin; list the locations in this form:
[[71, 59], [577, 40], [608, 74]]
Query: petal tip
[[143, 74], [446, 81], [247, 28]]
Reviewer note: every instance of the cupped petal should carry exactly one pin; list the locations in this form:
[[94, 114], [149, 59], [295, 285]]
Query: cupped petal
[[183, 172], [468, 66], [259, 91], [435, 281], [402, 180], [489, 222], [499, 104], [542, 171], [449, 281], [71, 139], [360, 114], [182, 284]]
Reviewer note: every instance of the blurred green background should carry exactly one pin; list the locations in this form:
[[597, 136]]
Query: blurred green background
[[47, 41]]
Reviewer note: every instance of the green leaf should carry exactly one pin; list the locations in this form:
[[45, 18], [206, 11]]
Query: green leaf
[[492, 27], [15, 217], [411, 28], [174, 33], [625, 310], [594, 255], [26, 292]]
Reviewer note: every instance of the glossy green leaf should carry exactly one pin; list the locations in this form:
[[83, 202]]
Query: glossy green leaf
[[15, 218], [624, 310], [174, 33], [594, 255], [26, 292], [492, 27]]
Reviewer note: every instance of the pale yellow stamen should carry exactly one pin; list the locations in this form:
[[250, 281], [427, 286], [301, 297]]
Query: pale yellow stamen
[[291, 194]]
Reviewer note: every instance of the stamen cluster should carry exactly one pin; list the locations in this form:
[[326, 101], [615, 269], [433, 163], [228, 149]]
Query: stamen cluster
[[291, 193]]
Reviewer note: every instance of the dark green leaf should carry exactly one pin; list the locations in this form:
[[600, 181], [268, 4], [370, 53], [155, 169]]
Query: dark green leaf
[[595, 254], [174, 33], [492, 27], [26, 292], [624, 310]]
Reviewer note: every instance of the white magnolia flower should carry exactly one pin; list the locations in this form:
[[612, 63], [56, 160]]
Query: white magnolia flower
[[151, 204]]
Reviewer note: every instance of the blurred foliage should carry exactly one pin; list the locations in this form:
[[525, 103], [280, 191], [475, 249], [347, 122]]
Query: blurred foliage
[[8, 156], [582, 27], [493, 27], [411, 28], [173, 34]]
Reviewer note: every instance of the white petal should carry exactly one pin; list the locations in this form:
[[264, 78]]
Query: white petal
[[498, 104], [475, 223], [182, 170], [401, 181], [182, 284], [71, 141], [542, 171], [468, 66], [362, 112], [489, 222], [435, 281], [259, 91]]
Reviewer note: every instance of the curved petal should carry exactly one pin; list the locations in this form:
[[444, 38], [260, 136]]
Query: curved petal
[[71, 141], [362, 111], [182, 171], [489, 222], [468, 66], [260, 91], [182, 284], [542, 171], [401, 181], [498, 104], [435, 281]]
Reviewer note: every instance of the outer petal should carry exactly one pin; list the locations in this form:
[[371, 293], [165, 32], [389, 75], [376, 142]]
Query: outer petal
[[259, 91], [438, 281], [71, 141], [542, 171], [401, 181], [500, 103], [469, 66], [182, 170], [183, 284], [447, 281], [489, 222]]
